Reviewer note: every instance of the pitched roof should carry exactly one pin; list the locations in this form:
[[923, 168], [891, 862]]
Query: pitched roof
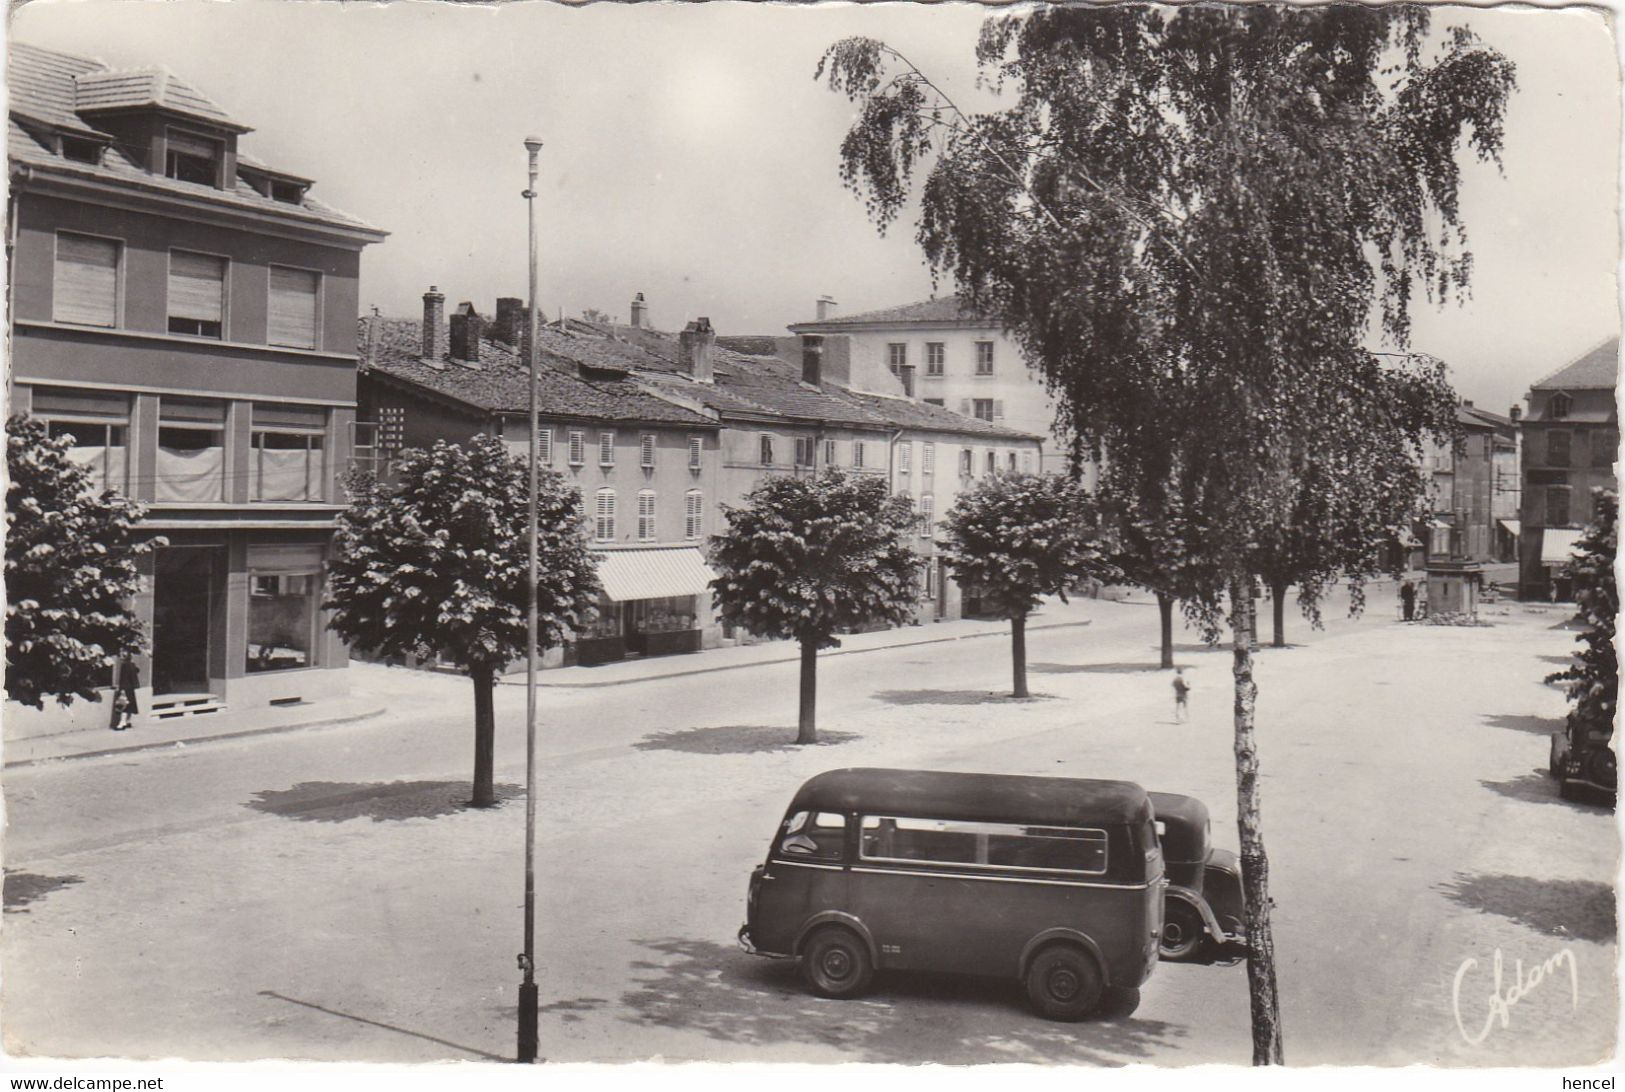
[[924, 417], [937, 309], [45, 88], [501, 382], [1596, 369], [1474, 417]]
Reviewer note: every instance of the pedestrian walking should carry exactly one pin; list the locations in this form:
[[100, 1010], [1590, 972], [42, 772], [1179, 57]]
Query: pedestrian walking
[[127, 681], [1182, 691], [1407, 596]]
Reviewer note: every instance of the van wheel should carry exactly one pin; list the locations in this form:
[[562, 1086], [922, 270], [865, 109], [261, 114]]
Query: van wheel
[[1064, 983], [836, 963], [1182, 931], [1119, 1002]]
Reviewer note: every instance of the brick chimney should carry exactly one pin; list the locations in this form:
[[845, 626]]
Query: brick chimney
[[826, 307], [812, 359], [694, 347], [640, 312], [466, 327], [510, 321], [434, 324]]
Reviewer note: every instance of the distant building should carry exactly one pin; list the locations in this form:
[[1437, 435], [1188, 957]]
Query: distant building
[[187, 315], [1475, 489], [1570, 444]]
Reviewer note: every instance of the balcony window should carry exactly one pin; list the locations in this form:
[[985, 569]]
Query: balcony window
[[197, 291], [85, 282], [282, 612], [292, 320]]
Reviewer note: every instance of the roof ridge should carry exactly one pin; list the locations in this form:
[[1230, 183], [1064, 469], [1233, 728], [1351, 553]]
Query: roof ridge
[[31, 47]]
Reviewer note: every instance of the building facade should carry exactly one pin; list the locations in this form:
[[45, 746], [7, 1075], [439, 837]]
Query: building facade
[[187, 316], [1475, 489], [1570, 441]]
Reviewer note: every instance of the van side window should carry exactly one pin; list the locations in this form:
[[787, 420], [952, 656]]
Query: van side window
[[818, 836], [984, 845]]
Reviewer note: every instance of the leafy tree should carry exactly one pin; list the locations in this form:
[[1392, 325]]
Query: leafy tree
[[436, 564], [1186, 218], [1017, 538], [71, 571], [804, 558], [1594, 679], [593, 314], [1151, 541]]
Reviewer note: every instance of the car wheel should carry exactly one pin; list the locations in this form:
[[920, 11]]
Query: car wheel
[[1064, 983], [836, 963], [1119, 1002], [1182, 931], [1567, 789]]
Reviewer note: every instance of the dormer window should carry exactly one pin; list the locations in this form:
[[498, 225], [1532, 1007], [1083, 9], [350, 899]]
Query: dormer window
[[287, 192], [192, 158], [1558, 408], [81, 151]]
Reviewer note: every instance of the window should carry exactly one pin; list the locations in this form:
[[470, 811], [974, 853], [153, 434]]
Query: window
[[191, 451], [281, 620], [933, 357], [1026, 462], [1604, 447], [928, 458], [982, 409], [292, 320], [578, 447], [805, 445], [81, 151], [604, 523], [696, 448], [1557, 506], [288, 193], [1559, 405], [992, 462], [930, 581], [192, 158], [927, 515], [98, 425], [983, 845], [1558, 451], [1012, 462], [544, 445], [693, 514], [285, 461], [767, 449], [936, 402], [897, 357], [197, 292], [857, 453], [966, 469], [984, 358], [606, 449], [820, 835], [829, 452], [646, 450], [905, 456], [84, 287], [646, 515]]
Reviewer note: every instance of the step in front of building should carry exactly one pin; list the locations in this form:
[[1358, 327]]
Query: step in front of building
[[171, 706]]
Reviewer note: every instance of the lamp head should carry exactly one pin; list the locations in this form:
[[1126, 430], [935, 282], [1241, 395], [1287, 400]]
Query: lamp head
[[533, 144]]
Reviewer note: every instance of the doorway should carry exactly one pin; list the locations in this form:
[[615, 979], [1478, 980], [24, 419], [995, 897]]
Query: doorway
[[183, 601]]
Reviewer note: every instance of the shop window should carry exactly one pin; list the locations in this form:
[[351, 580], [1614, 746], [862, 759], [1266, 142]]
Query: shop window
[[646, 515], [694, 514], [197, 293], [673, 614], [85, 282], [282, 611]]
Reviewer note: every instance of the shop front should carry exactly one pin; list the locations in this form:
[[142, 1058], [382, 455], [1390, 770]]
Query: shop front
[[653, 604]]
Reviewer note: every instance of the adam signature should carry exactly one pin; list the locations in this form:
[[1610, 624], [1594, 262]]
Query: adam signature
[[1503, 997]]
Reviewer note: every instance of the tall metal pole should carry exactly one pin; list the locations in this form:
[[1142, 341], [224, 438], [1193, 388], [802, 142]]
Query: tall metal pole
[[528, 1035]]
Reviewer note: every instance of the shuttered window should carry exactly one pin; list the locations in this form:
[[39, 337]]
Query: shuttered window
[[928, 459], [604, 526], [928, 522], [197, 284], [696, 447], [578, 448], [544, 445], [293, 308], [606, 449], [646, 450], [85, 287], [905, 456], [646, 515], [694, 513]]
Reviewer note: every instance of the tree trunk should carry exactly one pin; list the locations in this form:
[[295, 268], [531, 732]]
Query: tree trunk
[[1266, 1005], [1252, 620], [1278, 600], [1165, 608], [485, 734], [807, 731], [1018, 654]]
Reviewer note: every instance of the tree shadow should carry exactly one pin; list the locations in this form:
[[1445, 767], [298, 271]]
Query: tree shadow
[[571, 1008], [1093, 669], [22, 888], [1575, 909], [952, 697], [1200, 646], [380, 801], [1560, 661], [736, 739], [734, 998], [1540, 726], [1538, 787]]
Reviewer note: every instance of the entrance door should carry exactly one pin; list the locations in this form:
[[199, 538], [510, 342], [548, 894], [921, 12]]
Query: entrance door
[[182, 605]]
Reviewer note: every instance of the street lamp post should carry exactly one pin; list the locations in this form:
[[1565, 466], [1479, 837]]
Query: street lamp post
[[527, 959]]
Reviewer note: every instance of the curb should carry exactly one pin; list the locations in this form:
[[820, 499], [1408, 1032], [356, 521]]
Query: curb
[[786, 659], [156, 745]]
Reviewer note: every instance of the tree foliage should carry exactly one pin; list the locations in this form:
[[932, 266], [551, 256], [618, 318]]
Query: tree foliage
[[71, 570], [1593, 682]]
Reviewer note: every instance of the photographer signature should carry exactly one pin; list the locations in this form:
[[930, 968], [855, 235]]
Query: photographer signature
[[1502, 997]]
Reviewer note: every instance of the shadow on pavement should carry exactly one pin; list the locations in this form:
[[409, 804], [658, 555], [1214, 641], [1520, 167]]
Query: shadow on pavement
[[1543, 726], [385, 1027], [1537, 787], [736, 739], [906, 1018], [1071, 669], [1560, 661], [336, 801], [1580, 909], [22, 888], [953, 697]]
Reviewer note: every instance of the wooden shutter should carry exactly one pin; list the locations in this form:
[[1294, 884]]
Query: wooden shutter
[[196, 286], [695, 447], [646, 448], [544, 445], [85, 289], [694, 514], [293, 308], [606, 449]]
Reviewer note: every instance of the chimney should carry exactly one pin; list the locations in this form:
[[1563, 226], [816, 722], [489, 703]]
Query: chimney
[[812, 357], [434, 324], [510, 321], [694, 345], [640, 312], [466, 327], [1466, 403], [826, 307], [1516, 413]]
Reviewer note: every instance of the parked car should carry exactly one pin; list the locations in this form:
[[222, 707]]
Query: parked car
[[1204, 916], [1057, 882], [1583, 760]]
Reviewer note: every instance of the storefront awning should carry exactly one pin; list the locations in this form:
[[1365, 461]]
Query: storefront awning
[[1557, 545], [1513, 527], [652, 574]]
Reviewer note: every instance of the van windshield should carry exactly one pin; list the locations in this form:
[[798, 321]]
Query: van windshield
[[987, 845], [817, 835]]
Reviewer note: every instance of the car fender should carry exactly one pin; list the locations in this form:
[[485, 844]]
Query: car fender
[[1199, 904], [838, 917], [1071, 936]]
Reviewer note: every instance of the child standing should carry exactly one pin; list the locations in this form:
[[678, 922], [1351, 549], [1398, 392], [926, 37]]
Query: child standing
[[1182, 691]]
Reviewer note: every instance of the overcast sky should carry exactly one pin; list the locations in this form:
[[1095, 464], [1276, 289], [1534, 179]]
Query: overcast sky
[[690, 155]]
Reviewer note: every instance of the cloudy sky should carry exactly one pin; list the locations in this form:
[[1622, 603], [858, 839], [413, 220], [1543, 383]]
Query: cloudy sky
[[691, 156]]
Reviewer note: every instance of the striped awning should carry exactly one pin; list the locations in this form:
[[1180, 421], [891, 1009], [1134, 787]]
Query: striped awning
[[1557, 545], [1513, 527], [654, 573]]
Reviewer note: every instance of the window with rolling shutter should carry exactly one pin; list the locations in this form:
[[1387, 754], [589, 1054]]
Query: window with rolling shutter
[[85, 284], [197, 291], [293, 311]]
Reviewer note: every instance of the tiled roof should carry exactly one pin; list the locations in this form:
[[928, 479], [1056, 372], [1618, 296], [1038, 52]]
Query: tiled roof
[[501, 383], [1477, 418], [924, 417], [44, 87], [1597, 369], [934, 310], [115, 90]]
